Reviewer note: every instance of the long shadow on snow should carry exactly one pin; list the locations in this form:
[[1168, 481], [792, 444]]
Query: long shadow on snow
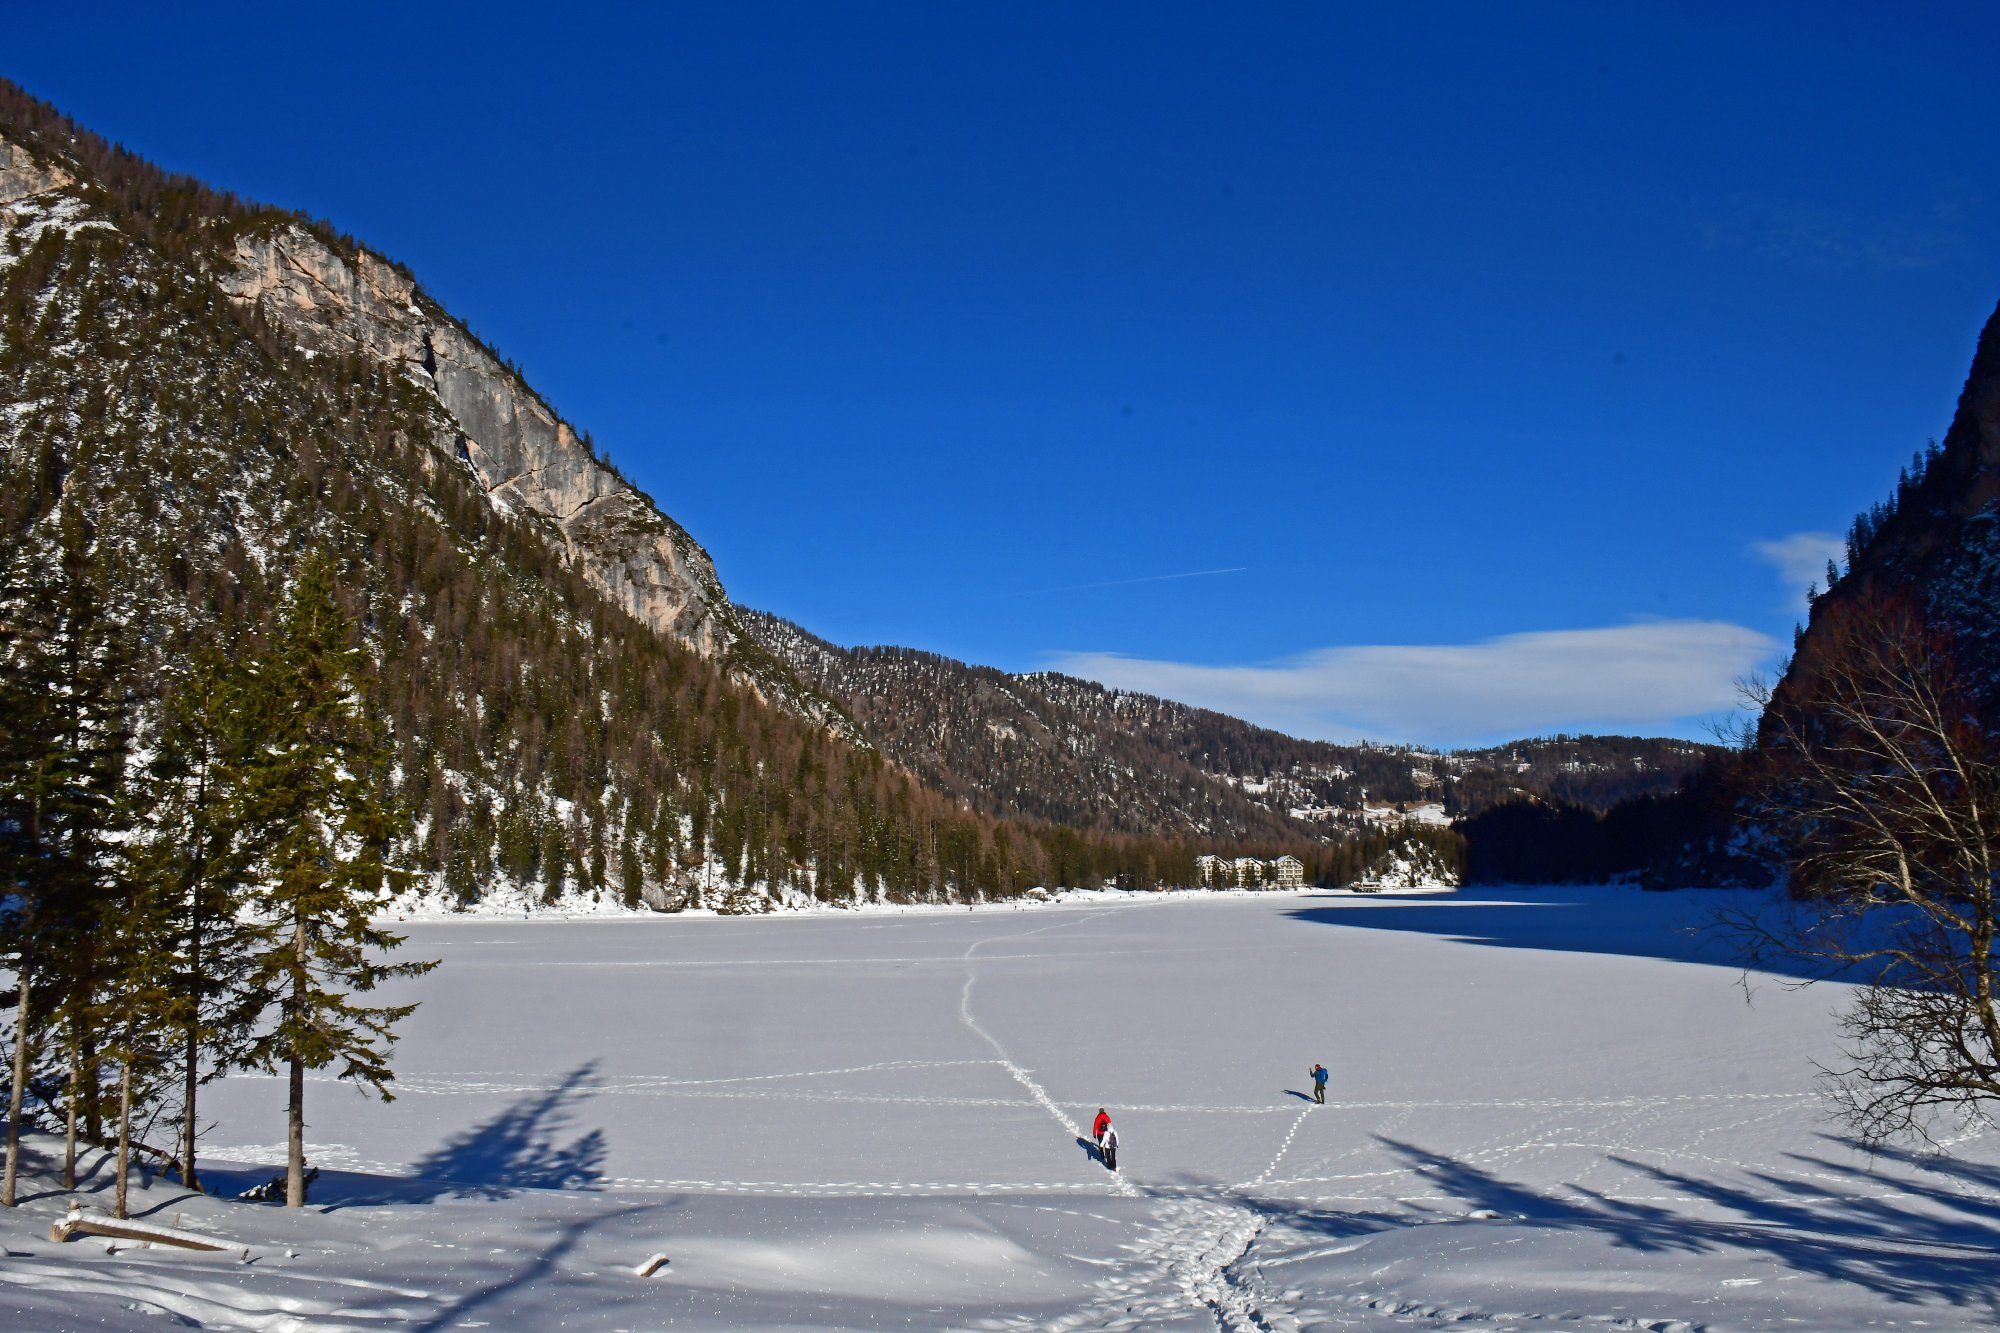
[[1629, 922], [542, 1265], [1978, 1176], [518, 1149], [1897, 1251]]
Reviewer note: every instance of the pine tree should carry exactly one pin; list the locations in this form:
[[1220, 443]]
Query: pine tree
[[139, 970], [64, 680], [313, 787], [25, 750], [191, 863]]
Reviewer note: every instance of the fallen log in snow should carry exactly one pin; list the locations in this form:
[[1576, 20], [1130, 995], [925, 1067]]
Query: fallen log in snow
[[80, 1223], [650, 1267]]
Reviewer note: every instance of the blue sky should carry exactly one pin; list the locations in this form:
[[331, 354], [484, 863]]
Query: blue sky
[[1421, 372]]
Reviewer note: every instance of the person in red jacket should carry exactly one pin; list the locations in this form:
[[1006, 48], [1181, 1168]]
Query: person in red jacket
[[1098, 1126]]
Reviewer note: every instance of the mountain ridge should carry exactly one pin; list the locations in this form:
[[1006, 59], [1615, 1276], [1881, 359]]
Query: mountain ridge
[[222, 382], [1081, 752]]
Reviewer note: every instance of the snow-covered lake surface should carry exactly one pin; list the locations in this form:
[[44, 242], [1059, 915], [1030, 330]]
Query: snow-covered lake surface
[[1549, 1109]]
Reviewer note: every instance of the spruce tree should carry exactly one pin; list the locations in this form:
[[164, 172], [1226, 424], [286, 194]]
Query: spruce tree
[[63, 675], [192, 865], [139, 968], [26, 749], [314, 798]]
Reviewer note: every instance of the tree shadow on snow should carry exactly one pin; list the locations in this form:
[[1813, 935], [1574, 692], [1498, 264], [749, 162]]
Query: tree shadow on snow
[[518, 1149], [521, 1148], [1905, 1240], [512, 1300], [1678, 927]]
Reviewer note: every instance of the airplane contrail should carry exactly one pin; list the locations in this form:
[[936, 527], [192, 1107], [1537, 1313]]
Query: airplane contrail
[[1120, 583]]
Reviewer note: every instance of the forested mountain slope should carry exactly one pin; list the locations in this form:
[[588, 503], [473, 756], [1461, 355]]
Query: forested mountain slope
[[196, 391], [1922, 575], [1071, 750], [211, 388], [1935, 543]]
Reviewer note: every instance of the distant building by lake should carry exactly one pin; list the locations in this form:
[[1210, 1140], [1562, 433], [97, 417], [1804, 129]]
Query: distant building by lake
[[1250, 872]]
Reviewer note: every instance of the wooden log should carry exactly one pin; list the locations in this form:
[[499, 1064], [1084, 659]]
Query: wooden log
[[80, 1223]]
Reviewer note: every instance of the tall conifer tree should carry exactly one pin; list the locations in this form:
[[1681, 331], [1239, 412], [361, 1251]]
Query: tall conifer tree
[[192, 863], [65, 677], [315, 795]]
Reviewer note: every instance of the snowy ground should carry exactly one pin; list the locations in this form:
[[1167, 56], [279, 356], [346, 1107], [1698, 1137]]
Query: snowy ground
[[1548, 1111]]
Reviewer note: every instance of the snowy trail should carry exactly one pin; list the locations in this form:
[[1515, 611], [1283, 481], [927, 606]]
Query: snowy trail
[[1201, 1236], [1283, 1148], [1020, 1075]]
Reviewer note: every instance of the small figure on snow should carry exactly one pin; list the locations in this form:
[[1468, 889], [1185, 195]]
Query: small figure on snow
[[1108, 1145], [1318, 1072], [1099, 1125]]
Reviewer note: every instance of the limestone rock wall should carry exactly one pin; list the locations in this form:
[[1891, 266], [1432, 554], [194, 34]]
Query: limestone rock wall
[[22, 175], [529, 460]]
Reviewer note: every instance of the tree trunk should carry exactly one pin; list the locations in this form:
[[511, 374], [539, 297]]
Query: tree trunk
[[124, 1124], [192, 1055], [295, 1112], [295, 1138], [13, 1171], [69, 1113], [93, 1100]]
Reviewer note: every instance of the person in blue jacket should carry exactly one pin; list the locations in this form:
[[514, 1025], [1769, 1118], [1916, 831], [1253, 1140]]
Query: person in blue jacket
[[1318, 1072]]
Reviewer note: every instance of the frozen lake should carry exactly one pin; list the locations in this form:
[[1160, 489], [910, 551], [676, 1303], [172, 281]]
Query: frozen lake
[[1547, 1109]]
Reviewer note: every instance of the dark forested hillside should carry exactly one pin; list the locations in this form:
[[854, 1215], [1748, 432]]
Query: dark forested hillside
[[1923, 562], [1071, 750], [1933, 545], [1591, 773]]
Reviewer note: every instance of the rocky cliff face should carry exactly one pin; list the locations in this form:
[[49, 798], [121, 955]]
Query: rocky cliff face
[[21, 175], [328, 299], [529, 461]]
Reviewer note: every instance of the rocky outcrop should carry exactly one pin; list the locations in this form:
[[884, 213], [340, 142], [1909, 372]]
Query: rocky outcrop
[[22, 174], [528, 459]]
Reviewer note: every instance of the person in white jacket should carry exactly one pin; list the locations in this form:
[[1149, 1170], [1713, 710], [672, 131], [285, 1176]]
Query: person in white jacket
[[1109, 1146]]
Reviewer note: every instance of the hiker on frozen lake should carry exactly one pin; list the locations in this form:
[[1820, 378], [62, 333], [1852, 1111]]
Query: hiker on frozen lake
[[1318, 1072], [1099, 1125], [1108, 1145]]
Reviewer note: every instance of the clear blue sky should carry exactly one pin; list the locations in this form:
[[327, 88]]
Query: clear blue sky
[[1481, 343]]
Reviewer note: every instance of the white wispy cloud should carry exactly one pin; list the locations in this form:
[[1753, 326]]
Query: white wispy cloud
[[1800, 559], [1643, 677]]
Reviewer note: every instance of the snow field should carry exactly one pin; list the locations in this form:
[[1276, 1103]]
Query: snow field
[[1549, 1109]]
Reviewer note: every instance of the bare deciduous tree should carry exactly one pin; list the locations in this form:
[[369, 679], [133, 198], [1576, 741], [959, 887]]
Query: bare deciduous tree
[[1875, 763]]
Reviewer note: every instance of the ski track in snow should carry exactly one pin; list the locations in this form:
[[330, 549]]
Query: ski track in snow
[[1185, 1263], [1020, 1075]]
